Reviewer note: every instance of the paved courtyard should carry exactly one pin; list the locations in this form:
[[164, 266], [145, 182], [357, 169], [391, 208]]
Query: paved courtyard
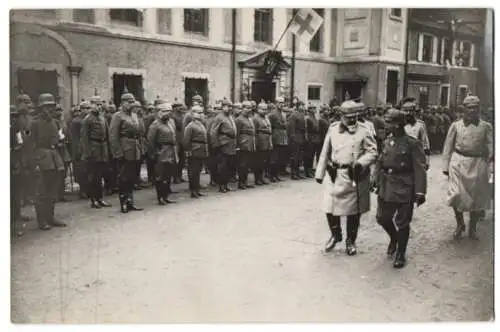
[[247, 256]]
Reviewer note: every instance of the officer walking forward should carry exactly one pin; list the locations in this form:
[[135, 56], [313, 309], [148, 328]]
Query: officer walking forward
[[468, 150], [347, 154], [401, 181], [196, 149], [163, 145], [124, 141], [48, 163]]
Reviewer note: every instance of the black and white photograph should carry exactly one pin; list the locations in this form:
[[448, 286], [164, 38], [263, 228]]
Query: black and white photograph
[[250, 165]]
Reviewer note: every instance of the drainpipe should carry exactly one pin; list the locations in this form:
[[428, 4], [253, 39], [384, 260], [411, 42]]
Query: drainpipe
[[407, 49], [233, 56]]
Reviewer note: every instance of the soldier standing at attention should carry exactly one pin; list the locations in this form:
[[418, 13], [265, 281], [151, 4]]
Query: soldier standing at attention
[[223, 139], [95, 152], [416, 128], [48, 162], [196, 149], [312, 140], [401, 180], [62, 149], [163, 143], [111, 171], [468, 150], [124, 139], [347, 154], [278, 120], [212, 156], [296, 130], [178, 117], [263, 143], [149, 118], [245, 139], [75, 131]]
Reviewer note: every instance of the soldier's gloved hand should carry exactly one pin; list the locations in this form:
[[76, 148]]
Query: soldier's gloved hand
[[419, 199], [446, 173], [320, 181]]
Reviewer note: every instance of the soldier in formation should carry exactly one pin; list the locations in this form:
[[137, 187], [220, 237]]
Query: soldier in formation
[[245, 140]]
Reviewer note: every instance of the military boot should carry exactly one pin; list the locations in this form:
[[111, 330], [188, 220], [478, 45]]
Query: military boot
[[159, 194], [474, 217], [41, 217], [392, 232], [130, 203], [336, 231], [352, 235], [459, 216], [53, 221], [166, 190], [402, 237], [123, 203]]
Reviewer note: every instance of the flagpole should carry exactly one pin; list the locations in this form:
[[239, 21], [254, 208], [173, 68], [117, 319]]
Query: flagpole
[[233, 55], [286, 29], [407, 50], [292, 83]]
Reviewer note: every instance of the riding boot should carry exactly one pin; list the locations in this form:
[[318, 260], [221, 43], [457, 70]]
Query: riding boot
[[123, 202], [403, 235], [166, 191], [352, 234], [336, 231], [41, 217], [459, 216], [390, 229], [474, 217], [130, 203], [159, 193], [54, 221]]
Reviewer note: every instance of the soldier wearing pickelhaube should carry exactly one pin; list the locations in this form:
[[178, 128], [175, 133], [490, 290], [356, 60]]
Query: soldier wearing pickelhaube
[[149, 118], [212, 156], [49, 165], [196, 149], [263, 143], [279, 154], [137, 110], [245, 140], [75, 130], [178, 116], [162, 143], [414, 127], [197, 99], [401, 181], [312, 140], [16, 169], [347, 154], [223, 141], [95, 151], [467, 153], [111, 171], [296, 130], [124, 138]]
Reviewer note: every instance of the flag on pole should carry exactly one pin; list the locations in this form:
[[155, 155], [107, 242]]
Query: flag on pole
[[305, 24]]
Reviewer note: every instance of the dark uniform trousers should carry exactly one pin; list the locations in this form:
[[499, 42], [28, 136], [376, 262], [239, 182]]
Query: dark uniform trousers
[[308, 158], [124, 139], [262, 163], [48, 184], [195, 165], [110, 176], [400, 173], [279, 157], [164, 172], [246, 162], [212, 165], [296, 155], [226, 164], [96, 171]]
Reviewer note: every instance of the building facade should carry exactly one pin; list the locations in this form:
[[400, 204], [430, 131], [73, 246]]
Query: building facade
[[176, 53]]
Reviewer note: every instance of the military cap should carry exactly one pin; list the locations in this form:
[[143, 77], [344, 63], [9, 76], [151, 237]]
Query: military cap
[[84, 104], [177, 103], [13, 110], [164, 107], [246, 104], [23, 98], [198, 98], [96, 100], [394, 115], [59, 107], [226, 102], [351, 107], [127, 96], [135, 104], [311, 107], [238, 106], [262, 106], [46, 99], [324, 107], [280, 100], [471, 101]]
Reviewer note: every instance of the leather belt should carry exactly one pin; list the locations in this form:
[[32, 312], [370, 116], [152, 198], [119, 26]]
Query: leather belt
[[170, 143], [263, 132], [130, 136], [100, 140], [390, 170], [469, 154], [196, 141], [341, 166]]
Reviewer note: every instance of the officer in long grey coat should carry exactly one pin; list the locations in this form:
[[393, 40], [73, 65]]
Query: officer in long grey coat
[[348, 151], [401, 180]]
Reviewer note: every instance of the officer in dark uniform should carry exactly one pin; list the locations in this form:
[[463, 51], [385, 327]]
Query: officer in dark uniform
[[196, 149], [212, 156], [245, 139], [312, 140], [111, 171], [223, 140], [149, 118], [401, 181], [162, 142], [178, 117], [49, 164], [263, 143], [124, 138], [95, 152], [279, 154], [16, 169], [75, 130], [62, 149], [296, 129]]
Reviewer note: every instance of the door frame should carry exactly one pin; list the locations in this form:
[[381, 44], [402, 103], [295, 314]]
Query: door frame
[[124, 71], [200, 76], [58, 68], [274, 80]]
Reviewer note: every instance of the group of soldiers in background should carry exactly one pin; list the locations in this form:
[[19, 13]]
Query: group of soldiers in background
[[99, 143]]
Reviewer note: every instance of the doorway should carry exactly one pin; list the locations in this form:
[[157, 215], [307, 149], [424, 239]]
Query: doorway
[[35, 82], [133, 84], [350, 90], [423, 98], [193, 87], [263, 90], [392, 87]]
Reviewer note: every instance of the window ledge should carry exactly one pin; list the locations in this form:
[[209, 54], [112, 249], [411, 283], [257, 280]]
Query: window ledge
[[195, 35], [396, 18]]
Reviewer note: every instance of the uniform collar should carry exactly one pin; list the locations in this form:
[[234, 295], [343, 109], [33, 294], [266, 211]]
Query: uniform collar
[[343, 128], [474, 122]]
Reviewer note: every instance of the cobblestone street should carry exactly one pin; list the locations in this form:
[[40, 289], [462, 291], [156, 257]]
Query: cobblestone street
[[252, 255]]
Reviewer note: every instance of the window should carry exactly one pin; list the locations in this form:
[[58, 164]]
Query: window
[[263, 29], [466, 54], [314, 92], [354, 36], [83, 15], [196, 20], [396, 12], [427, 48], [413, 47], [445, 95], [316, 43], [128, 16], [444, 51], [164, 21]]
